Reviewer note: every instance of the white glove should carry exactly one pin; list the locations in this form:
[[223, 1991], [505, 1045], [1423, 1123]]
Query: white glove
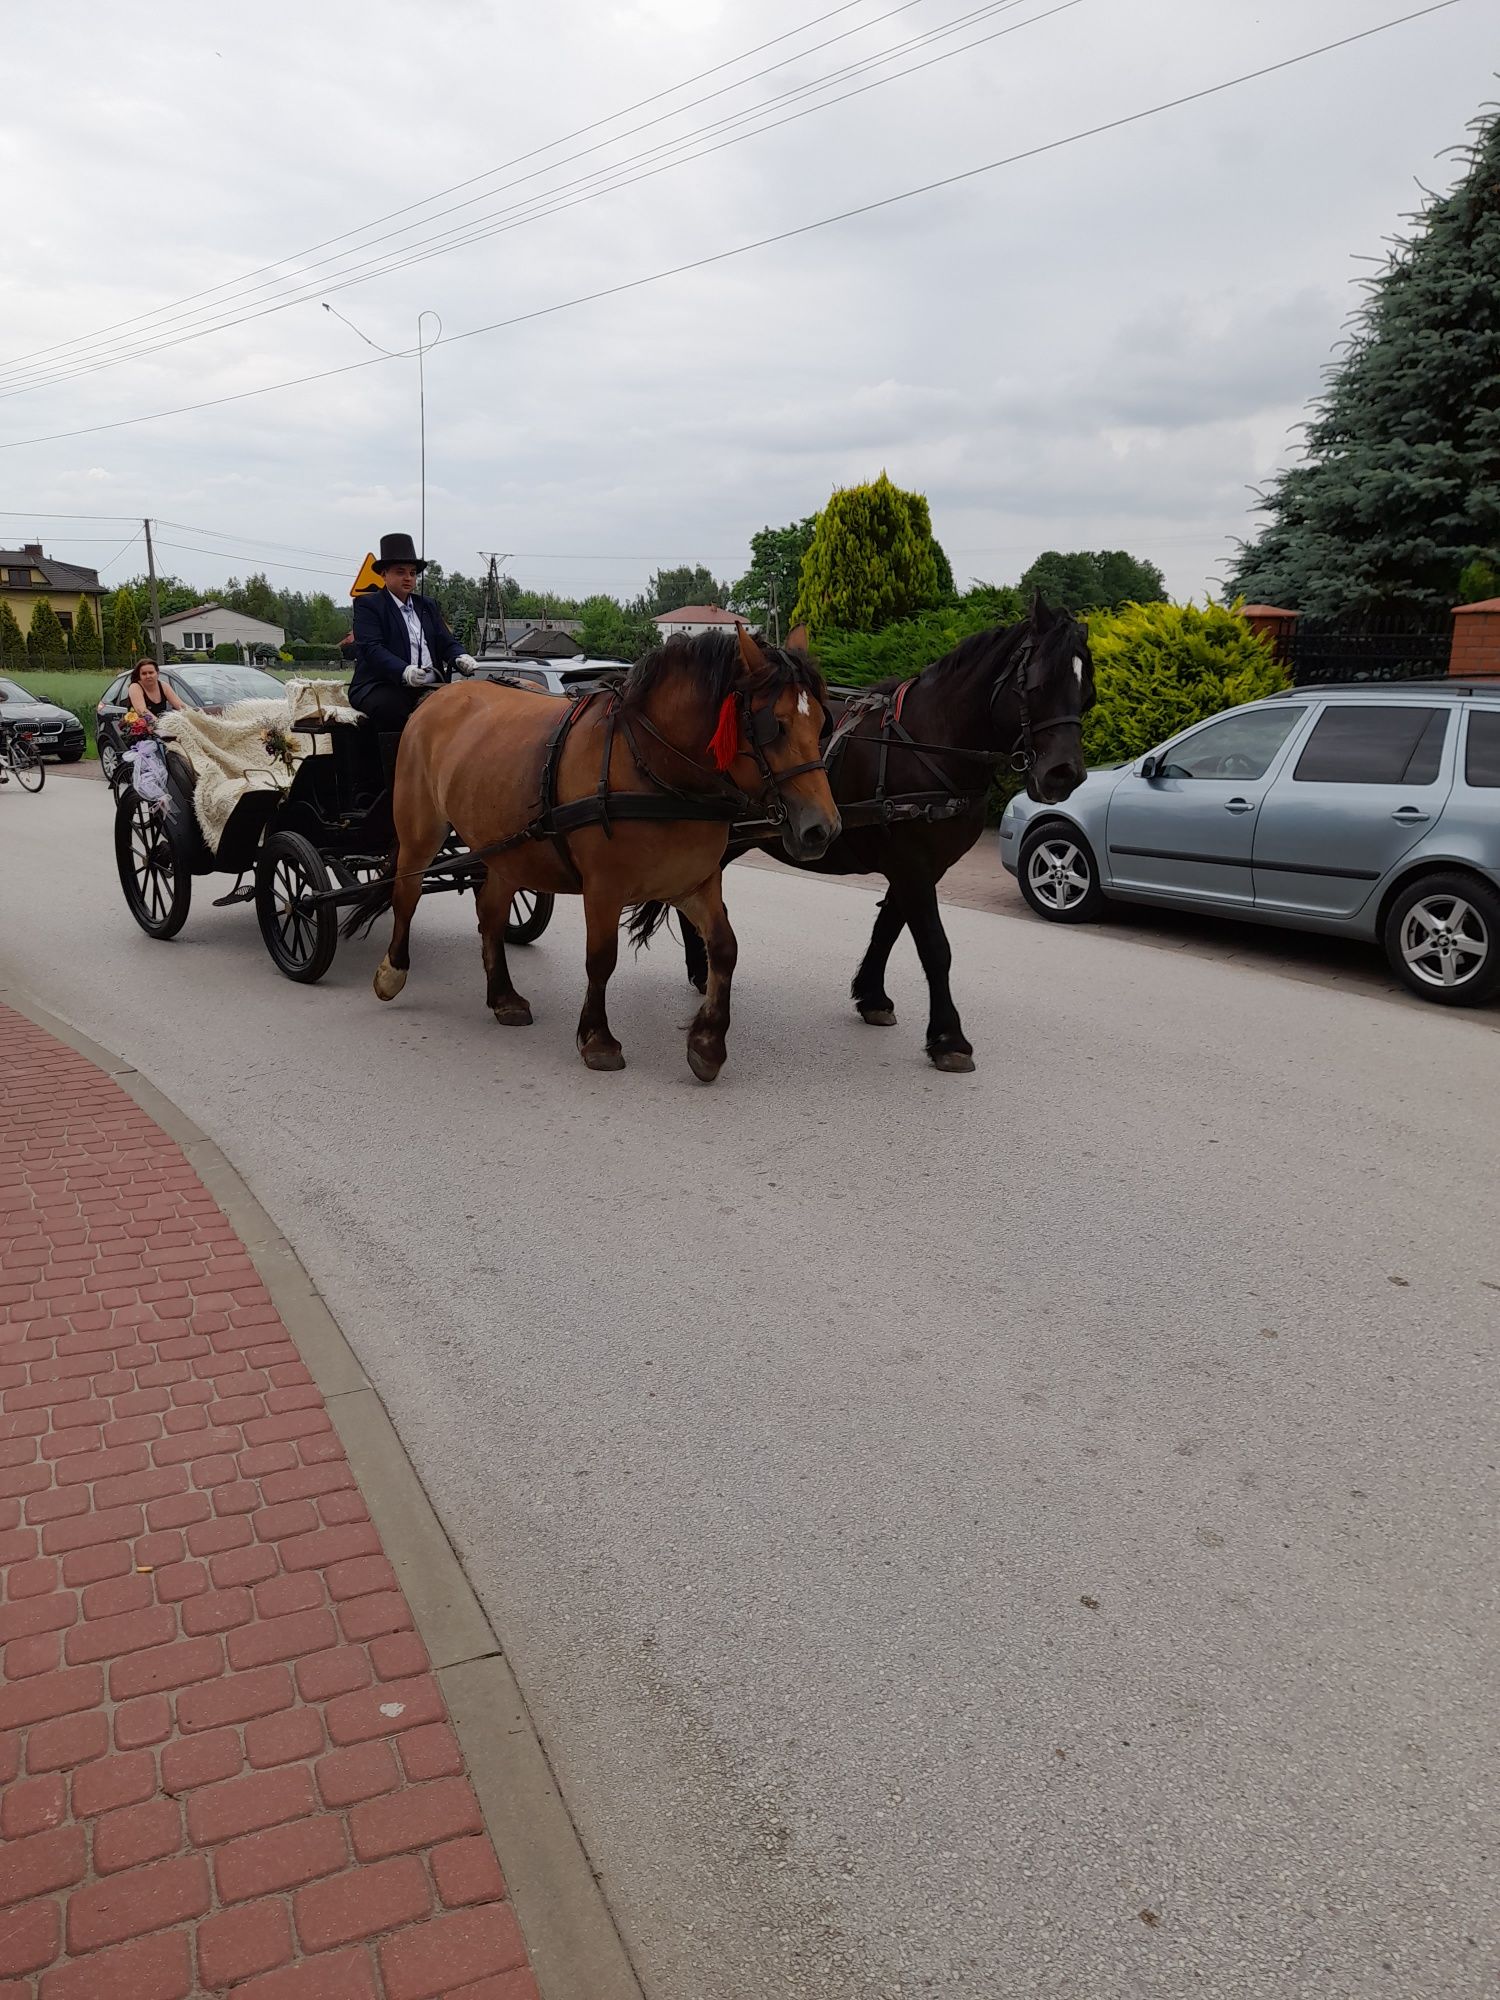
[[419, 677], [467, 662]]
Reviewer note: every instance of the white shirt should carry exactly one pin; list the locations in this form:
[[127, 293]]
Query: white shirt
[[416, 637]]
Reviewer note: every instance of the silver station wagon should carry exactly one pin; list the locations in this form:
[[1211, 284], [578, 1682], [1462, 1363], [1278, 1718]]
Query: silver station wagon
[[1369, 812]]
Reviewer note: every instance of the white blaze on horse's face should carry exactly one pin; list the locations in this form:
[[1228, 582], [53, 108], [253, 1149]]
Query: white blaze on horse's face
[[1078, 670], [802, 704]]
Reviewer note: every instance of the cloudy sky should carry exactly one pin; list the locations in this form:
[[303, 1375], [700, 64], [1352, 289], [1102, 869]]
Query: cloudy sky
[[1102, 345]]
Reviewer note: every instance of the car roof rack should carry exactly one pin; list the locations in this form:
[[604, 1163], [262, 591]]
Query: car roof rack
[[1428, 684]]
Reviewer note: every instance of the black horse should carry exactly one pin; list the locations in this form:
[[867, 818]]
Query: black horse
[[910, 766]]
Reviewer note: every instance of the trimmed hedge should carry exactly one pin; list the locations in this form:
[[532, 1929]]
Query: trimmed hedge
[[859, 659]]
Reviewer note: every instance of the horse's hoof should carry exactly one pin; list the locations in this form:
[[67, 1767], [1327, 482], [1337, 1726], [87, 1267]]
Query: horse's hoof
[[702, 1067], [878, 1017], [389, 980], [514, 1013], [602, 1058], [954, 1062]]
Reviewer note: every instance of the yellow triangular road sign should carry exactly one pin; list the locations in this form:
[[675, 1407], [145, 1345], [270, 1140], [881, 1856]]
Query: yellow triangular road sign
[[367, 578]]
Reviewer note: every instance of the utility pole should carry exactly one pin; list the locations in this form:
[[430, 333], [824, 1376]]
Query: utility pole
[[493, 593], [773, 610], [155, 610]]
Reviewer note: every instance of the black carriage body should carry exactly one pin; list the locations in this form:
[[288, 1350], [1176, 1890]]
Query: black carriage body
[[338, 800], [307, 845]]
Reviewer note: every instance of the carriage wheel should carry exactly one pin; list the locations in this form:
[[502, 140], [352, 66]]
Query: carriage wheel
[[154, 856], [530, 914], [300, 936]]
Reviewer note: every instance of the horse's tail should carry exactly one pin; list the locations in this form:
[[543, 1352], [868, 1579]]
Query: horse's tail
[[375, 901], [646, 919]]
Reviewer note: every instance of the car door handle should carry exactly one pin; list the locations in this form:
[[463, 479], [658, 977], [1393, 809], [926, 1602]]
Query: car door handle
[[1238, 806], [1411, 815]]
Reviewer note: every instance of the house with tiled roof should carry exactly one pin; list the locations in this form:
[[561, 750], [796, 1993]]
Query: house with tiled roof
[[692, 619], [28, 577]]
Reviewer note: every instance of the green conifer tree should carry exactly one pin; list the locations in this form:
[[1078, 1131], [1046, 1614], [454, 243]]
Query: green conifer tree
[[872, 560], [88, 651], [12, 644], [46, 644], [125, 640], [1400, 489]]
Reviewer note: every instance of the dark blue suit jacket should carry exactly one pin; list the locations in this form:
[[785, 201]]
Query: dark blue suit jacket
[[382, 650]]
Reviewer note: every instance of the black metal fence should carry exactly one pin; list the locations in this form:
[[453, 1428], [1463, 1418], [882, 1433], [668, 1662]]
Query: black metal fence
[[1318, 650]]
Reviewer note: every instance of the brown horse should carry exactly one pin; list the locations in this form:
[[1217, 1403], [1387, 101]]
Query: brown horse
[[702, 730]]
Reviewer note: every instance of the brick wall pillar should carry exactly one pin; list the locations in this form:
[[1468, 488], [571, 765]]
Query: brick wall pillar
[[1476, 640], [1273, 622]]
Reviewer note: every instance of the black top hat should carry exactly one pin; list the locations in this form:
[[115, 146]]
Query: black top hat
[[397, 549]]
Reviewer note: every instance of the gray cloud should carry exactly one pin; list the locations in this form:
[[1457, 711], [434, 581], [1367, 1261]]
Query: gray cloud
[[1106, 344]]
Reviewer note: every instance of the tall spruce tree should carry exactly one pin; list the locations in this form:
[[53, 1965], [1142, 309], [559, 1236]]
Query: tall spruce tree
[[46, 642], [12, 644], [125, 642], [88, 650], [1400, 489], [872, 560]]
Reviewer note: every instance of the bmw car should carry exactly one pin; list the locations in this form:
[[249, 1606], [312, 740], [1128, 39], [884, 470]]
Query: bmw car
[[55, 732], [1369, 811]]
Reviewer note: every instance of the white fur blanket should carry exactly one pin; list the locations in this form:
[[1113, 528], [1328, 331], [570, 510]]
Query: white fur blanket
[[228, 752]]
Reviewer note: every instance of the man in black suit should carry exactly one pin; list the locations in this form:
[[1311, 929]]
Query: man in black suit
[[401, 644]]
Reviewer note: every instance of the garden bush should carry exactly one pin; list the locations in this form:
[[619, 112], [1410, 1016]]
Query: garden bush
[[1160, 667]]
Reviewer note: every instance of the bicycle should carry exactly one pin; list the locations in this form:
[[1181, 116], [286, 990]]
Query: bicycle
[[18, 757]]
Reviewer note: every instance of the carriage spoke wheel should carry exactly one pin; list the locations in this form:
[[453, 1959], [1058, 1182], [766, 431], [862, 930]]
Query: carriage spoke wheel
[[153, 855], [530, 914], [301, 936]]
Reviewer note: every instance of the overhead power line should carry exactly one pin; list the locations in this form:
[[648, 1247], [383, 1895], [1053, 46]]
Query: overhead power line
[[765, 242], [410, 208], [607, 179]]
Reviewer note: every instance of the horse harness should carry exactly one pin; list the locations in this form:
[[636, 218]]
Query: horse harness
[[948, 800], [759, 728]]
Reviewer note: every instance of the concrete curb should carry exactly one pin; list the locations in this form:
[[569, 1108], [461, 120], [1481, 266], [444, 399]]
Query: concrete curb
[[576, 1950]]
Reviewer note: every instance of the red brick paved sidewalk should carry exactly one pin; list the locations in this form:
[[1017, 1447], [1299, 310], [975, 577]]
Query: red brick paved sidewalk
[[224, 1763]]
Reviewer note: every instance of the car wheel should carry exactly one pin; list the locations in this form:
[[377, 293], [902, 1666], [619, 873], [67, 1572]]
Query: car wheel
[[1059, 876], [301, 936], [154, 856], [1442, 939], [109, 764]]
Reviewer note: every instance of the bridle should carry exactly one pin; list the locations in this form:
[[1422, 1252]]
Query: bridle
[[1022, 755], [759, 728]]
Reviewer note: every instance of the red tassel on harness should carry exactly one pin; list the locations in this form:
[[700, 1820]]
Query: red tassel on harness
[[724, 744]]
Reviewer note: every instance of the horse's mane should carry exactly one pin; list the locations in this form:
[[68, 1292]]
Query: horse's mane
[[712, 660]]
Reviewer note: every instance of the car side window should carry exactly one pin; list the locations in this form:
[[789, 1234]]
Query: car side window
[[116, 689], [1482, 758], [1392, 744], [1241, 745]]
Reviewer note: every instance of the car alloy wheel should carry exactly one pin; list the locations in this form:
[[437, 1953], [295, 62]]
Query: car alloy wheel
[[1445, 940], [1058, 873]]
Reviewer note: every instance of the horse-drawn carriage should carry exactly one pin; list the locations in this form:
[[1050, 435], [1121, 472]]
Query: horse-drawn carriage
[[301, 826], [631, 797]]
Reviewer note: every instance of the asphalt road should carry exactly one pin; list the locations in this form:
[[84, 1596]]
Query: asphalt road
[[1029, 1534]]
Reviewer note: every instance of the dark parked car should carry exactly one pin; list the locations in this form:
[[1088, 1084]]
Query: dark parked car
[[207, 686], [55, 732]]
